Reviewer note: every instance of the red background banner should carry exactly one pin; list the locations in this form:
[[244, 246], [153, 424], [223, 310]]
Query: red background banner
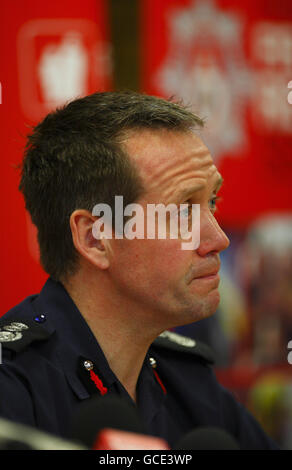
[[232, 61], [50, 52]]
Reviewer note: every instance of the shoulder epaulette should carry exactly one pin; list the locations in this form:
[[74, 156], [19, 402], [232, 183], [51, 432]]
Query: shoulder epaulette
[[16, 334], [177, 342]]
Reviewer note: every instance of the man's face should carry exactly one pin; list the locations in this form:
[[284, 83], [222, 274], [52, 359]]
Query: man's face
[[159, 281]]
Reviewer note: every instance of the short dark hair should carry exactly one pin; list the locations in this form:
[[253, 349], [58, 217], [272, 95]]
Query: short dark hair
[[73, 160]]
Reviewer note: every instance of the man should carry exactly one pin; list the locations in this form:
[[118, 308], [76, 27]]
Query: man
[[99, 324]]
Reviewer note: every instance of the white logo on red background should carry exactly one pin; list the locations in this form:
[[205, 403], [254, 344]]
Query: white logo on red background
[[271, 54], [63, 69], [205, 65], [59, 60]]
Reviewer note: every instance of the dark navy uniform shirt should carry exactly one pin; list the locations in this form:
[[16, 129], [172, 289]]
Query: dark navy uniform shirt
[[51, 362]]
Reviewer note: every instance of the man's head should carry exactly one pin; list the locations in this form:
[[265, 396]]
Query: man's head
[[145, 149], [174, 286], [74, 160]]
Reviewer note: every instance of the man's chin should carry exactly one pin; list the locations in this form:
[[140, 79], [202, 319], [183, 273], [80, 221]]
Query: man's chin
[[207, 306], [189, 307]]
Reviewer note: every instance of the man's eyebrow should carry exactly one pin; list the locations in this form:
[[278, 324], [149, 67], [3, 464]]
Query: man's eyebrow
[[184, 193]]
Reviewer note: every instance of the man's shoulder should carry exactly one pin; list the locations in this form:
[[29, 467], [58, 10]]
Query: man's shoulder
[[22, 325], [170, 341]]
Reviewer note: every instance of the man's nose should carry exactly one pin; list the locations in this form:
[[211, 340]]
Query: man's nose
[[212, 237]]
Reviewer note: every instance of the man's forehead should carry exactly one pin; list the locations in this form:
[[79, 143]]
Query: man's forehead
[[163, 156], [160, 149]]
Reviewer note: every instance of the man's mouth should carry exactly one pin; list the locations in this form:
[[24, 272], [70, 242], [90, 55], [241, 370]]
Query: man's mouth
[[207, 274], [210, 274]]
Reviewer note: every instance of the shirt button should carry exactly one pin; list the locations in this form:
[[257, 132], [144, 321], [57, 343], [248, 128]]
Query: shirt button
[[88, 365], [153, 362]]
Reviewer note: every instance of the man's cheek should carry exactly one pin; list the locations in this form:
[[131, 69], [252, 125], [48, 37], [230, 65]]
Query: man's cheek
[[169, 259]]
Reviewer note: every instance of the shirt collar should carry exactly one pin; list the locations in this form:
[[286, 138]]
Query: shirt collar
[[74, 337]]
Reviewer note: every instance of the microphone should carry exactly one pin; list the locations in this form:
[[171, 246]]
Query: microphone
[[110, 423], [207, 438], [15, 436], [112, 439]]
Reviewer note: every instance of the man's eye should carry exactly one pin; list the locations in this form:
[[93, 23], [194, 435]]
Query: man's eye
[[213, 203], [186, 209]]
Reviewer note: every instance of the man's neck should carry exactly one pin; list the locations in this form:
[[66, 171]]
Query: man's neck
[[121, 336]]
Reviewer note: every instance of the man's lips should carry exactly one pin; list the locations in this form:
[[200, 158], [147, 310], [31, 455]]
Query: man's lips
[[207, 274], [211, 275]]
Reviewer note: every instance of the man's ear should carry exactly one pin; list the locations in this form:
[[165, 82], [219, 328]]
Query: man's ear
[[96, 251]]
